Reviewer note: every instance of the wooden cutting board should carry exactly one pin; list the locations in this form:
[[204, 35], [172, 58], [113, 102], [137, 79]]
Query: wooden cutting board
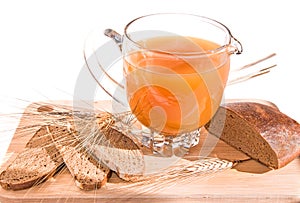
[[247, 181]]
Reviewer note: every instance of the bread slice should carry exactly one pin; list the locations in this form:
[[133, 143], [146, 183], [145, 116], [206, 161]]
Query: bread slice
[[39, 161], [113, 148], [260, 131], [121, 155], [88, 173]]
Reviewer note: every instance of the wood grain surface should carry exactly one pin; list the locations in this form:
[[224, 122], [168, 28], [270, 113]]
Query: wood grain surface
[[247, 181]]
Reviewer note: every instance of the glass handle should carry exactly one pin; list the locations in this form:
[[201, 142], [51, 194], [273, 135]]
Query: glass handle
[[235, 46], [98, 64], [115, 36]]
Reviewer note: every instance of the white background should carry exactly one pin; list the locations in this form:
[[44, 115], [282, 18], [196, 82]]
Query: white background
[[41, 46]]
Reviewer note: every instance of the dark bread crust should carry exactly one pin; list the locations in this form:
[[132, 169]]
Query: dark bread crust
[[262, 132], [119, 140]]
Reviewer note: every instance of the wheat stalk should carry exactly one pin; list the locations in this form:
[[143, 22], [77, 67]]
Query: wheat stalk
[[184, 171]]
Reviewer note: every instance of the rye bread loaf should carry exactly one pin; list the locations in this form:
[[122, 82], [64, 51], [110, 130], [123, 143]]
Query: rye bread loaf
[[88, 173], [39, 161], [260, 131]]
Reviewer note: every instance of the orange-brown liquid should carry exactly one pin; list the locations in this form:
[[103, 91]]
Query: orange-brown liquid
[[173, 86]]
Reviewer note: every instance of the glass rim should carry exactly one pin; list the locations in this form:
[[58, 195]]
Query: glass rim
[[210, 21]]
